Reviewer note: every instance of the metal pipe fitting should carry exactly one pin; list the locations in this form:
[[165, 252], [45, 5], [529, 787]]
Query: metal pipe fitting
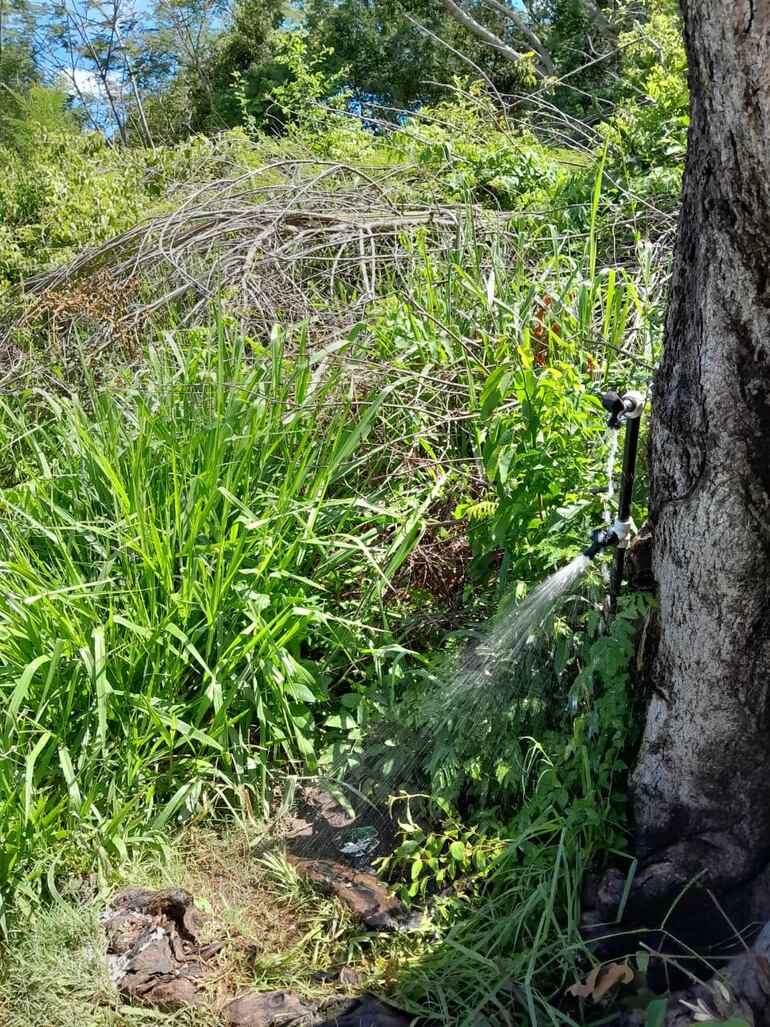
[[626, 409]]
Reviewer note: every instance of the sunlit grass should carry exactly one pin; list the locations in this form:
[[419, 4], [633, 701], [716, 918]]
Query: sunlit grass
[[208, 566]]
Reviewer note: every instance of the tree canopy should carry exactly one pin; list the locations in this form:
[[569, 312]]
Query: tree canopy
[[174, 68]]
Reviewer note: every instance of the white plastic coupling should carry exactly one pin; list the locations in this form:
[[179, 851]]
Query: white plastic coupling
[[623, 531], [634, 404]]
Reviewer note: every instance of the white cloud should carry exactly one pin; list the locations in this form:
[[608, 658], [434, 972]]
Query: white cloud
[[89, 85]]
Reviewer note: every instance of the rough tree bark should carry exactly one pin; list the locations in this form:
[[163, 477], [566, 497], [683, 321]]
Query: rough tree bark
[[701, 787]]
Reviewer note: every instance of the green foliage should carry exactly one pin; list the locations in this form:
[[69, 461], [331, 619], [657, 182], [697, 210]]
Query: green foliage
[[172, 58], [295, 94], [67, 948], [536, 483], [386, 58], [504, 175], [241, 65], [425, 862], [514, 931], [18, 69], [734, 1021], [655, 1013], [61, 192], [198, 60], [28, 119], [648, 128]]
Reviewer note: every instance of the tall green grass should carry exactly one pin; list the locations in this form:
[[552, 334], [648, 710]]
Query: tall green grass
[[171, 554], [206, 564]]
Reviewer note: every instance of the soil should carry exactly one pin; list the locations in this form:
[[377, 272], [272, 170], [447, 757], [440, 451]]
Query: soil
[[157, 955], [322, 829], [334, 849]]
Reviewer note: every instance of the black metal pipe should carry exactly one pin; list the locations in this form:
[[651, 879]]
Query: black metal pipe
[[626, 409], [628, 473], [625, 503]]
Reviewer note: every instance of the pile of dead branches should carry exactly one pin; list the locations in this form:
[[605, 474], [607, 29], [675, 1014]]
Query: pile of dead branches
[[283, 242]]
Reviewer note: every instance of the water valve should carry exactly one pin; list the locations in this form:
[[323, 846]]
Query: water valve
[[629, 406]]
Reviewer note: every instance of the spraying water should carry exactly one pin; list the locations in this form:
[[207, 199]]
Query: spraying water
[[496, 689], [513, 629], [468, 722], [491, 696]]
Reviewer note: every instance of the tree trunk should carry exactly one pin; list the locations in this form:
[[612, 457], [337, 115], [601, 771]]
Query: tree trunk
[[701, 787]]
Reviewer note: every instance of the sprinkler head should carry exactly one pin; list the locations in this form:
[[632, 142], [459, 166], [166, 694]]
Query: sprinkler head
[[613, 403], [634, 405], [606, 538], [601, 538], [626, 407]]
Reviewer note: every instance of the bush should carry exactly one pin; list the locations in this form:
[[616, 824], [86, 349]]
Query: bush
[[67, 192]]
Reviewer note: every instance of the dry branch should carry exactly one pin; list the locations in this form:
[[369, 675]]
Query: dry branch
[[278, 243]]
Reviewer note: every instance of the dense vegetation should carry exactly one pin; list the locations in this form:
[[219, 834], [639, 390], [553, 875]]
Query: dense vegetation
[[298, 392]]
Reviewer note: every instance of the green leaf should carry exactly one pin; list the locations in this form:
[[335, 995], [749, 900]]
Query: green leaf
[[491, 396], [19, 694], [655, 1013], [735, 1021]]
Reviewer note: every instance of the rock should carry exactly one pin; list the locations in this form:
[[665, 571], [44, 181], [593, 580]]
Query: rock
[[610, 893], [362, 893], [212, 949], [270, 1009], [155, 957], [321, 816], [761, 943], [345, 976], [153, 949], [174, 904], [285, 1009], [349, 977], [171, 995]]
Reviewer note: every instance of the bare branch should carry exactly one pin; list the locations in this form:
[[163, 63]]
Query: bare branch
[[479, 31], [79, 22], [145, 128], [528, 32], [463, 57], [598, 19]]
